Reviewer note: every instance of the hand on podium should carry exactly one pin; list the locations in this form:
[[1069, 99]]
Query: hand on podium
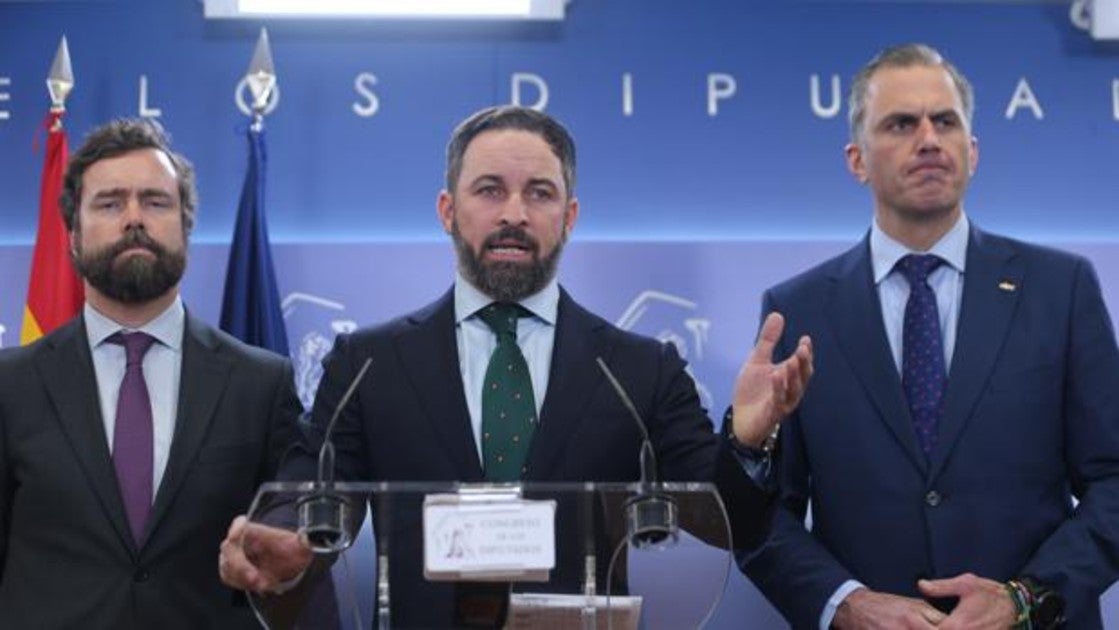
[[262, 558]]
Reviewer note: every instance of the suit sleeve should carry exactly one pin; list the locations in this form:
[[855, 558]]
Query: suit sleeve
[[5, 489], [792, 569], [688, 449], [283, 420], [1080, 559], [340, 367]]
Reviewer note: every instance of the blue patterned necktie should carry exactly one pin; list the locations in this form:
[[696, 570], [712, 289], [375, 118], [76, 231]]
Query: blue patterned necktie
[[132, 433], [508, 404], [923, 375]]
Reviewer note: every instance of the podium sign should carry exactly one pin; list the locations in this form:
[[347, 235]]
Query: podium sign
[[439, 553], [488, 536]]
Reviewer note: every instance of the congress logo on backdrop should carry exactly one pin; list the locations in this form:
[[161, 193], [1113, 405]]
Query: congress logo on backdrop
[[312, 322], [672, 319]]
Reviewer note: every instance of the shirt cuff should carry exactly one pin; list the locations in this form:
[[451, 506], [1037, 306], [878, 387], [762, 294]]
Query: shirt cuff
[[840, 594], [756, 462]]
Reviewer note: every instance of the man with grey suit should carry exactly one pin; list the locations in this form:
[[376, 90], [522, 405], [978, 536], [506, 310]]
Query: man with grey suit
[[130, 436]]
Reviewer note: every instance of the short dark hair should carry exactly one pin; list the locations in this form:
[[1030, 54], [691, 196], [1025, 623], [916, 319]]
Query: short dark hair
[[903, 56], [512, 117], [117, 138]]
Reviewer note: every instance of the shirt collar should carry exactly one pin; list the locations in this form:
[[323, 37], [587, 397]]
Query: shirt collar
[[167, 327], [885, 252], [469, 300]]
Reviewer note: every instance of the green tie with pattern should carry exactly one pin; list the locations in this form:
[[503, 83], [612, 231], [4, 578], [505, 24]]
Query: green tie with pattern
[[508, 406]]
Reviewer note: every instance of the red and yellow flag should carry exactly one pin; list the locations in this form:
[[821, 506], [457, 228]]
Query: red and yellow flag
[[54, 294]]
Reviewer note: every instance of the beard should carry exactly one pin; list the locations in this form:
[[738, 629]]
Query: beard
[[135, 279], [503, 280]]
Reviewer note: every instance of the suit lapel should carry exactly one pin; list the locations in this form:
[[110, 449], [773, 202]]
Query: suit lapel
[[68, 376], [858, 329], [429, 353], [572, 380], [202, 383], [992, 282]]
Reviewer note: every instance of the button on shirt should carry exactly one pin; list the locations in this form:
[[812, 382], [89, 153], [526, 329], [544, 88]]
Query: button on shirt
[[536, 337], [162, 368], [947, 281]]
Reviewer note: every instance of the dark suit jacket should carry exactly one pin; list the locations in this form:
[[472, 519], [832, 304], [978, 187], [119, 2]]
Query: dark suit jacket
[[1031, 418], [67, 558], [409, 422]]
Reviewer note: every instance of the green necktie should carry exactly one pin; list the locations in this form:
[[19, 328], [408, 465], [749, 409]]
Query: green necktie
[[508, 406]]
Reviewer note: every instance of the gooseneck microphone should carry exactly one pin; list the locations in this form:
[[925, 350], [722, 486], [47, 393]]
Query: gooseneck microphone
[[324, 514], [651, 516]]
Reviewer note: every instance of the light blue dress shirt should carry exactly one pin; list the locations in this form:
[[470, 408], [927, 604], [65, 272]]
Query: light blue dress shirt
[[947, 282], [162, 367], [536, 336]]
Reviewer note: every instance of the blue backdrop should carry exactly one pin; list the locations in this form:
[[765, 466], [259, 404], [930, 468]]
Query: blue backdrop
[[710, 166]]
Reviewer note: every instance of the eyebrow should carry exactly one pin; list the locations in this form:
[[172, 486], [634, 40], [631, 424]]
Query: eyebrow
[[543, 181], [486, 178], [143, 193], [904, 114]]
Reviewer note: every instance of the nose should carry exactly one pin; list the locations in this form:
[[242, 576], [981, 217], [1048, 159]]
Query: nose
[[514, 211], [133, 211], [927, 135]]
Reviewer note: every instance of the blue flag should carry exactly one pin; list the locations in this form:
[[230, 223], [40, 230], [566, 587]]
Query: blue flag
[[251, 309]]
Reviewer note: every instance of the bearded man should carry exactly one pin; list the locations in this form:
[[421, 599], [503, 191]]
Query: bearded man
[[131, 435], [426, 410]]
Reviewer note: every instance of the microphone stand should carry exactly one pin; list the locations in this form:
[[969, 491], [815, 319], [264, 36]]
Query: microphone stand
[[325, 513], [651, 516]]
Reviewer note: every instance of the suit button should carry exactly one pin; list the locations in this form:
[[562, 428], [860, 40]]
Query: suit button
[[933, 498], [141, 575]]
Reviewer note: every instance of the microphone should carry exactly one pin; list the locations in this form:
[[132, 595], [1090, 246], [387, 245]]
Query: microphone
[[651, 516], [324, 514]]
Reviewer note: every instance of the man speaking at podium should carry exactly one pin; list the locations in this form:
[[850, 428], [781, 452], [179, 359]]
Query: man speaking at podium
[[430, 407], [131, 435]]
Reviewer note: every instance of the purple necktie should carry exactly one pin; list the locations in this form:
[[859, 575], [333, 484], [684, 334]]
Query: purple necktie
[[922, 366], [132, 435]]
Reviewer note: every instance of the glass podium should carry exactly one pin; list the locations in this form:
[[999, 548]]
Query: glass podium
[[527, 555]]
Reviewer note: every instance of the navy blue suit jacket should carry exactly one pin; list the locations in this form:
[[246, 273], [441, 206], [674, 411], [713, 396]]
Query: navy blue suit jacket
[[1031, 419], [409, 422]]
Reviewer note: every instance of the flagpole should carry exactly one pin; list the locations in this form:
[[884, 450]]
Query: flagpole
[[54, 292], [251, 308]]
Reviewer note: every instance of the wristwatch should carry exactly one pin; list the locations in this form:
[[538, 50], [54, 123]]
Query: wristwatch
[[1047, 610], [762, 451]]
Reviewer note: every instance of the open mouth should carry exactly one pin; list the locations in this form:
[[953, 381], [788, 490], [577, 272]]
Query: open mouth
[[509, 245], [507, 250]]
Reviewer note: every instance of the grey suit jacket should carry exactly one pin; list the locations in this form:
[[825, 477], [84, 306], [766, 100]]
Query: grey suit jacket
[[67, 557]]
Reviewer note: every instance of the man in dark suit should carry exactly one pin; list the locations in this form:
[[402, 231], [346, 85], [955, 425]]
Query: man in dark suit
[[423, 412], [965, 394], [130, 436]]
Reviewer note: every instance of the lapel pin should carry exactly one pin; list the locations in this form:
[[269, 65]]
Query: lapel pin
[[1008, 286]]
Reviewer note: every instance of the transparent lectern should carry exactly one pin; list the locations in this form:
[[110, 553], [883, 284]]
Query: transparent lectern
[[530, 555]]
